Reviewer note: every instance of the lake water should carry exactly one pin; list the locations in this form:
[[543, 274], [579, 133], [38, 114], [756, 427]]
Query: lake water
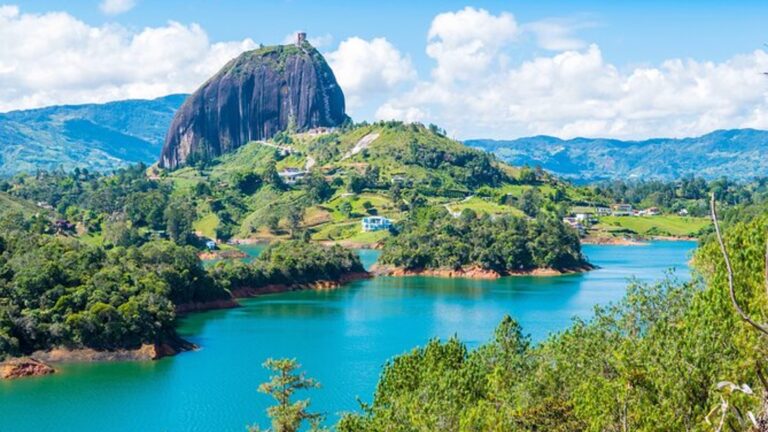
[[342, 338]]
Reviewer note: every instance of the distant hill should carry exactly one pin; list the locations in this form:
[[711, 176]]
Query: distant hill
[[737, 153], [99, 137]]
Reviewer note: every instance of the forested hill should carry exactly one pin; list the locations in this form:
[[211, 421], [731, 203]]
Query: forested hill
[[737, 154], [98, 137]]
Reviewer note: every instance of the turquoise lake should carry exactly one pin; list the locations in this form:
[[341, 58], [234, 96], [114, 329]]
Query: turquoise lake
[[341, 337]]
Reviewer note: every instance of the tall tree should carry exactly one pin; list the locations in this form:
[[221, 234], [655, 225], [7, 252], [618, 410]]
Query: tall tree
[[286, 415]]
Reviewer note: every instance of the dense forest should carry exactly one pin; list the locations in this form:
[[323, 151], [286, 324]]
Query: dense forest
[[292, 262], [432, 239], [58, 291], [671, 356], [689, 193]]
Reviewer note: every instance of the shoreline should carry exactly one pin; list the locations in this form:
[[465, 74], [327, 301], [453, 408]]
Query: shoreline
[[475, 272], [40, 363], [640, 241]]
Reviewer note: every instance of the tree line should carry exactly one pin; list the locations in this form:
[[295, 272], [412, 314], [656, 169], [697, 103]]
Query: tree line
[[430, 238]]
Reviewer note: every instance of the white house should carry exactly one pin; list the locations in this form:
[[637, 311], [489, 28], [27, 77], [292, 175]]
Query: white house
[[683, 212], [585, 217], [375, 223], [291, 176]]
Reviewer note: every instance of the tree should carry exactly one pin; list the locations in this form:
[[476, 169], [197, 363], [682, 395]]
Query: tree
[[271, 176], [179, 216], [285, 415], [295, 218], [317, 188], [356, 183], [346, 208]]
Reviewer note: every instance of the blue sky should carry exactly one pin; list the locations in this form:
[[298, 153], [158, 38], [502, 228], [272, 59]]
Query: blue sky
[[629, 32], [648, 51]]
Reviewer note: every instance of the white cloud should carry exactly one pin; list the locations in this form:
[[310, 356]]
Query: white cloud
[[54, 58], [575, 92], [557, 34], [116, 7], [466, 43], [366, 68]]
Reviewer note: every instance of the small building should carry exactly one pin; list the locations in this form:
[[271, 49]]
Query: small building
[[291, 176], [683, 212], [651, 211], [399, 179], [210, 245], [585, 217], [603, 211], [375, 223], [575, 224], [622, 210]]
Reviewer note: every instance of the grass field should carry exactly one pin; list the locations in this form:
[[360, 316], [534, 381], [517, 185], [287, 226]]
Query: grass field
[[207, 225], [480, 205], [8, 202], [657, 225]]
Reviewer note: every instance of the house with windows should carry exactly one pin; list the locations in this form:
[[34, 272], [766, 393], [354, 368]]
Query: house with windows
[[622, 210], [375, 223], [603, 211]]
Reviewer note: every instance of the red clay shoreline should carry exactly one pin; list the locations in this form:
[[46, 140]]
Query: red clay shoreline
[[474, 272]]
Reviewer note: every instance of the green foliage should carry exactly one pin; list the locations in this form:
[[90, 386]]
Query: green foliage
[[286, 415], [59, 291], [431, 238], [294, 262], [662, 359], [179, 215]]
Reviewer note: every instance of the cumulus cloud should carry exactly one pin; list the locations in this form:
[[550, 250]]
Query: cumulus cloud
[[116, 7], [467, 42], [575, 92], [365, 68], [557, 34], [54, 58]]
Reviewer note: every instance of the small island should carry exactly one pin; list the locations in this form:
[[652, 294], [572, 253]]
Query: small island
[[432, 242]]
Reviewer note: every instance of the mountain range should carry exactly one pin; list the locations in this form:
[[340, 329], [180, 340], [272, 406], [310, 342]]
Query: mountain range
[[98, 137], [736, 153], [103, 137]]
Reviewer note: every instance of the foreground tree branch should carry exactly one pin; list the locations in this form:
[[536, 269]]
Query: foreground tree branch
[[729, 269]]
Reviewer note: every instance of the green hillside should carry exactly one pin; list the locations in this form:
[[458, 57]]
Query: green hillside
[[97, 137], [382, 169]]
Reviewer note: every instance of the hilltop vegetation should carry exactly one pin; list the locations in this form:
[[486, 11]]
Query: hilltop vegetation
[[385, 169]]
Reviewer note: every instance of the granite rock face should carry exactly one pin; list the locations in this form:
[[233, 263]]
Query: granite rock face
[[255, 96]]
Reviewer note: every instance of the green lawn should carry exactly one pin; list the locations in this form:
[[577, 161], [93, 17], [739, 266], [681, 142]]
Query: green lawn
[[207, 225], [480, 205], [657, 225]]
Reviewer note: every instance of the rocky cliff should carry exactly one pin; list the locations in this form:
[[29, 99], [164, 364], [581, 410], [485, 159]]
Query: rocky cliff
[[255, 96]]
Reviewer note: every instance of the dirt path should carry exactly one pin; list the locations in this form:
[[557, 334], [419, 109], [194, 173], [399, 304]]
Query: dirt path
[[361, 145]]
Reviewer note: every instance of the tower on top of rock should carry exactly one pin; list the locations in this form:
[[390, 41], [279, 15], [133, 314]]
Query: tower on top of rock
[[301, 37]]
